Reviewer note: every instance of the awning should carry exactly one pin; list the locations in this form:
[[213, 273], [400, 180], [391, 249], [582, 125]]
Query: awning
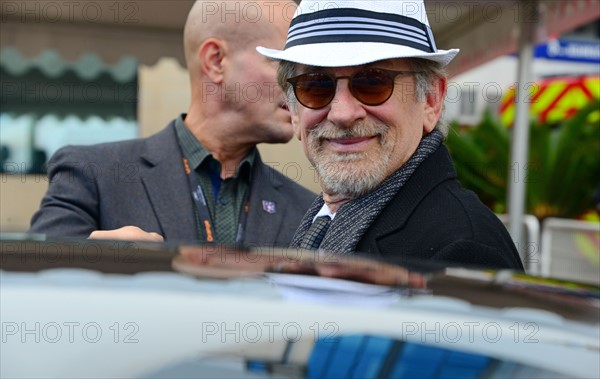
[[146, 30], [88, 67], [50, 84]]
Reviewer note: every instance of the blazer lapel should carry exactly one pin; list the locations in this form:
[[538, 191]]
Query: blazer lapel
[[267, 211], [167, 187]]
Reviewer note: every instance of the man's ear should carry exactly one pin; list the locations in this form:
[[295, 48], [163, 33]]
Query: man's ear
[[434, 104], [211, 55]]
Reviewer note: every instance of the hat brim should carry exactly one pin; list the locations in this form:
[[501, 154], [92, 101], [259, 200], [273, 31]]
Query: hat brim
[[341, 54]]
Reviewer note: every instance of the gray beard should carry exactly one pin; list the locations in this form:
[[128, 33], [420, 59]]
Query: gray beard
[[350, 175]]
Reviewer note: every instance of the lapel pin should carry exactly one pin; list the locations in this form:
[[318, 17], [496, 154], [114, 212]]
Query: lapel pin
[[269, 206]]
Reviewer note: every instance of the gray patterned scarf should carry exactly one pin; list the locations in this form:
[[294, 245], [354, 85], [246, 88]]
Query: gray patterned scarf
[[354, 218]]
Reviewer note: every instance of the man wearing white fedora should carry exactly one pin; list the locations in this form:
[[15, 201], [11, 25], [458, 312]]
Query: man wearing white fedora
[[366, 86]]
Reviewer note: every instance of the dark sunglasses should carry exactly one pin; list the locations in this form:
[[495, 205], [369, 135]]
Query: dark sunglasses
[[371, 86]]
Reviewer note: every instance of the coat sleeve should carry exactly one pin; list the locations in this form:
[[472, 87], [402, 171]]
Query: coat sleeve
[[70, 206]]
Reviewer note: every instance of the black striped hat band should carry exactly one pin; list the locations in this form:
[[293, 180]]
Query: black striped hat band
[[357, 25]]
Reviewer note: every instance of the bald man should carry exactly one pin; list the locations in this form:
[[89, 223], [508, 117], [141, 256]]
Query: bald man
[[201, 179]]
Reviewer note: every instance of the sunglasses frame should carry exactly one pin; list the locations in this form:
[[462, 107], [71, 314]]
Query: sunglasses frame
[[391, 75]]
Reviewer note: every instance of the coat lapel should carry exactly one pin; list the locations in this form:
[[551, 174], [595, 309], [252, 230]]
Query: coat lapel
[[267, 211], [167, 187]]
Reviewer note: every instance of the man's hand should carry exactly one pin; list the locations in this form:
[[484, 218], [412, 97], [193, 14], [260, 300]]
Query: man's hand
[[128, 233]]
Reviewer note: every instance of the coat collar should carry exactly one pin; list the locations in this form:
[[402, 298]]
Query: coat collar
[[437, 168]]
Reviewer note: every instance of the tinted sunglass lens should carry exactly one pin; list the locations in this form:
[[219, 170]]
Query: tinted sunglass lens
[[314, 90], [372, 87]]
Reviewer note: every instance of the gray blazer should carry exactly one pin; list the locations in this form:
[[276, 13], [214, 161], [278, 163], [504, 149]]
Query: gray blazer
[[142, 183]]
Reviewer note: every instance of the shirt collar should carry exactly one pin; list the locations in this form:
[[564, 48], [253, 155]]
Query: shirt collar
[[196, 153], [324, 211]]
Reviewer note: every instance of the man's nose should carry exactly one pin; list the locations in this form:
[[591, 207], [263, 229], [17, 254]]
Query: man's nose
[[345, 109]]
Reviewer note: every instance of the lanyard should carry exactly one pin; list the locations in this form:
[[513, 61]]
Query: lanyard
[[200, 201]]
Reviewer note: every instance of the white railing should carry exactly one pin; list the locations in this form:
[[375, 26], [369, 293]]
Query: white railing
[[571, 250]]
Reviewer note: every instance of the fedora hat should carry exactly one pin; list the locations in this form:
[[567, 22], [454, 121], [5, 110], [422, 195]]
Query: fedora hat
[[355, 32]]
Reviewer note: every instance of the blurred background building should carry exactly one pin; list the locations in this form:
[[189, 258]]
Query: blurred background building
[[565, 70]]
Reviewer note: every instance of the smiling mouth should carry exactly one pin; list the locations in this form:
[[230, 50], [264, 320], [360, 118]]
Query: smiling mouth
[[350, 144]]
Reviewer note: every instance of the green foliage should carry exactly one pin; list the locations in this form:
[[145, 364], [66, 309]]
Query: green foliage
[[561, 176]]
